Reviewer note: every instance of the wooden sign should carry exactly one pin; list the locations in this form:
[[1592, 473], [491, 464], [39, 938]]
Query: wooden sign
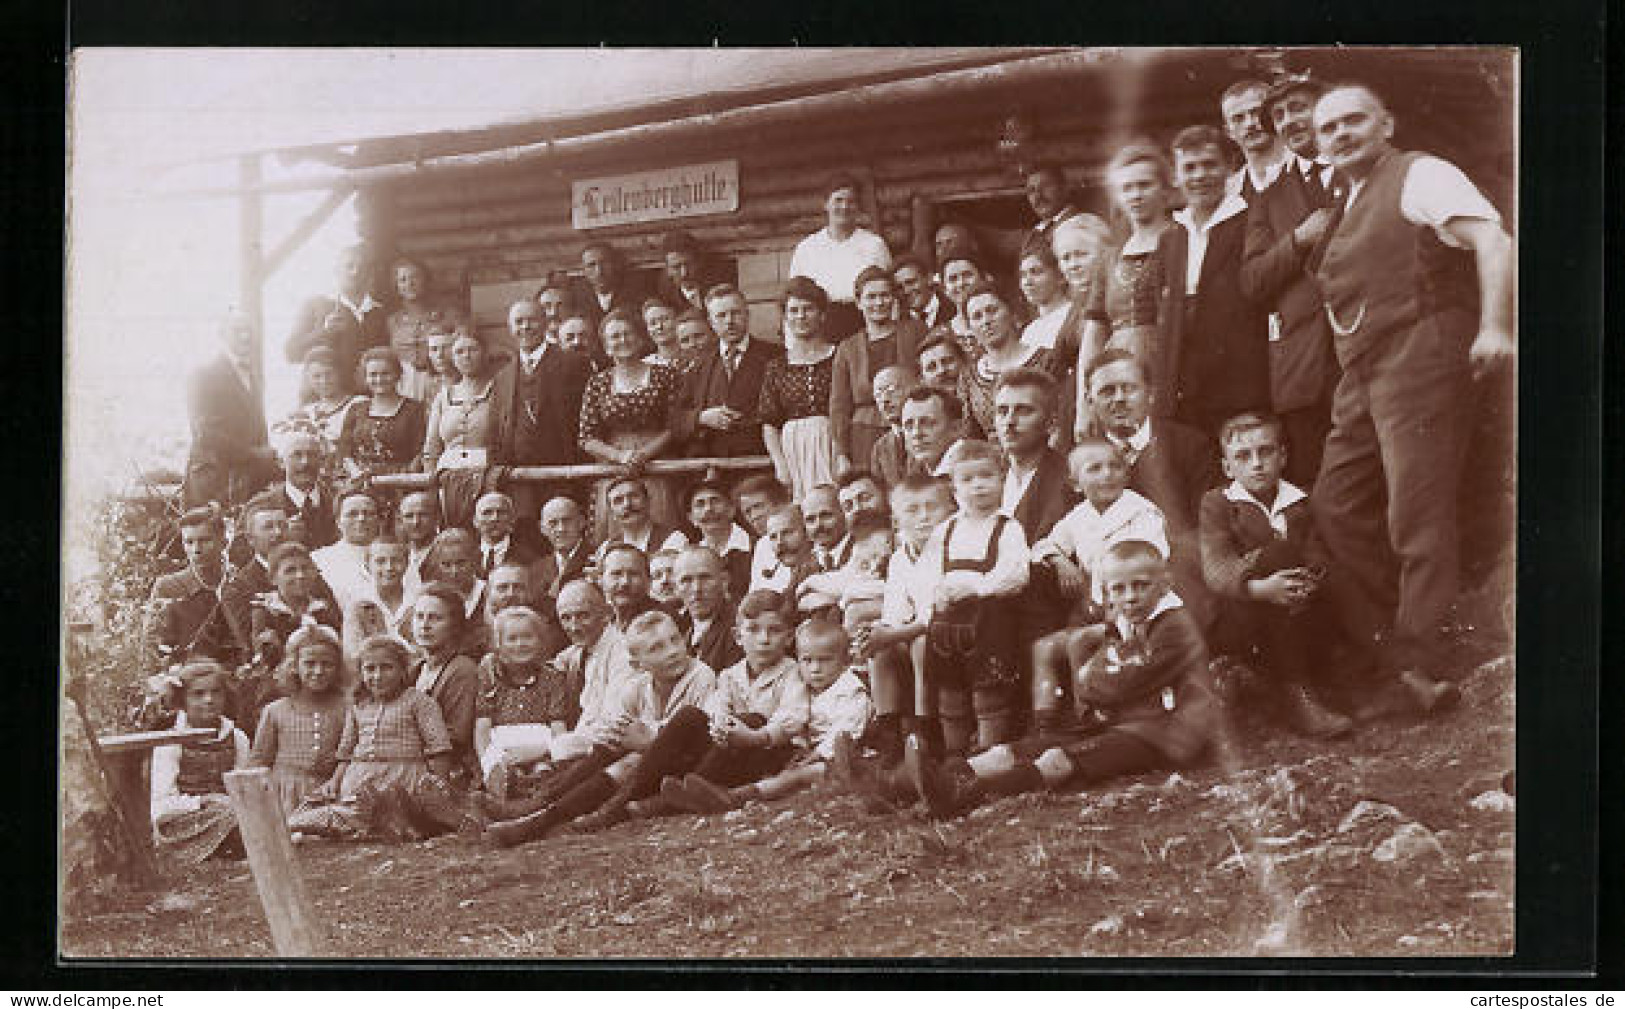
[[663, 194]]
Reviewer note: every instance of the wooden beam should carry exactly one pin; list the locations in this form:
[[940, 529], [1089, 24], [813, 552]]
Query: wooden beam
[[590, 471], [294, 929], [304, 229], [250, 261], [141, 742], [948, 86]]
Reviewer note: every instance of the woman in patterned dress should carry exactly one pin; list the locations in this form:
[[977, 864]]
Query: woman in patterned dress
[[626, 410], [794, 404], [1123, 309], [994, 322], [383, 431]]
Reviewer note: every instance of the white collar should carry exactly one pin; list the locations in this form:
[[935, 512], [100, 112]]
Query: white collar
[[367, 304], [738, 540], [533, 357], [1286, 495], [1169, 601], [297, 496], [723, 349], [941, 468], [500, 546], [1138, 441], [1272, 171], [1229, 207]]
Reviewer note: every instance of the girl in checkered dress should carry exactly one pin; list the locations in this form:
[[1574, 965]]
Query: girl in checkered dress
[[298, 735]]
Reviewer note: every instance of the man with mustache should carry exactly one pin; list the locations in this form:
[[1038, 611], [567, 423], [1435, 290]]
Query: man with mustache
[[1285, 222], [1417, 280], [1246, 122]]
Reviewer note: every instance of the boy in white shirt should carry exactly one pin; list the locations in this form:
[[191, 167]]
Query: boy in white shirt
[[920, 504], [837, 714], [970, 654], [1109, 513]]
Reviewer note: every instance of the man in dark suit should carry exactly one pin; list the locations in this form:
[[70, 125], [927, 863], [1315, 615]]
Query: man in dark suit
[[1171, 464], [1038, 493], [1215, 338], [302, 493], [348, 323], [717, 409], [548, 382], [265, 525], [184, 617], [1038, 490], [708, 614], [494, 521], [230, 458], [1050, 198], [605, 285], [684, 282], [569, 550], [1285, 223]]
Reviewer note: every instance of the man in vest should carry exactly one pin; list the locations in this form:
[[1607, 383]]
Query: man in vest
[[1416, 276]]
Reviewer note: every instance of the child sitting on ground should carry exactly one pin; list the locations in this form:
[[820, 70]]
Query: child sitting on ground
[[299, 598], [838, 713], [668, 688], [977, 565], [298, 735], [759, 708], [389, 780], [1144, 701], [1109, 513], [921, 504], [524, 700], [192, 816]]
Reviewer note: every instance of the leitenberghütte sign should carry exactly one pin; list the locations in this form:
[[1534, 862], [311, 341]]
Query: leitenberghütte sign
[[685, 191]]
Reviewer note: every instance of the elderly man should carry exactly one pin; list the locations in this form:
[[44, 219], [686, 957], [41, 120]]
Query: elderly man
[[1285, 222], [597, 657], [348, 323], [1417, 279], [569, 550], [417, 522], [343, 564], [826, 526], [717, 408], [303, 493], [547, 385], [708, 614], [230, 458], [494, 520], [1215, 339], [932, 422]]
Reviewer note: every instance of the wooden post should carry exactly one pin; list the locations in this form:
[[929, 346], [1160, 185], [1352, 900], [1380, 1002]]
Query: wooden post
[[250, 257], [294, 928]]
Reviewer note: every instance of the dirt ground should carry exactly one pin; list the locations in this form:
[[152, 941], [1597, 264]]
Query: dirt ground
[[1395, 842]]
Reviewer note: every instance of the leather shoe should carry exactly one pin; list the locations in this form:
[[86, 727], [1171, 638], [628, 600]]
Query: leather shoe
[[1309, 718], [1429, 695]]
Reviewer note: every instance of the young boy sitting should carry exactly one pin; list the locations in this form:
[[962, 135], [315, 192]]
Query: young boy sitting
[[970, 654], [839, 711], [1109, 513], [760, 707], [668, 689], [920, 504], [1144, 701], [1259, 556]]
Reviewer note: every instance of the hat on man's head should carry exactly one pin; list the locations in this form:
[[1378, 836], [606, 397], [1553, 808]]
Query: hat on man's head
[[1285, 82]]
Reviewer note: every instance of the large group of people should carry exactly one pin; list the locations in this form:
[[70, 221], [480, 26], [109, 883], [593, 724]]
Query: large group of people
[[1005, 531]]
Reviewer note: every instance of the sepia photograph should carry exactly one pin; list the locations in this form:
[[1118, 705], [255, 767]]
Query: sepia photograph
[[799, 503]]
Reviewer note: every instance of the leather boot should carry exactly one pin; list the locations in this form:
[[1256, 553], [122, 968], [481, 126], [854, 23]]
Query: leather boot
[[946, 793], [1309, 718], [1429, 695]]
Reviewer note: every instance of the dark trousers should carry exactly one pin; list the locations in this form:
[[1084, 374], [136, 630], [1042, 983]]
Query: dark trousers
[[1098, 757], [1306, 430], [1283, 643], [1385, 502]]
